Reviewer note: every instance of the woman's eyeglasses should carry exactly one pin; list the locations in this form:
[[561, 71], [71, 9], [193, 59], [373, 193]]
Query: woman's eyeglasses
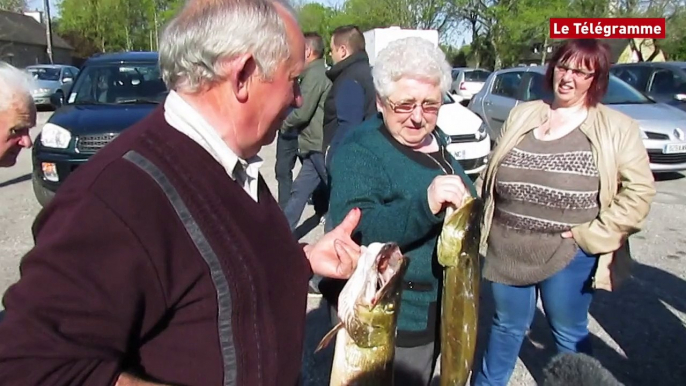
[[576, 72], [408, 107]]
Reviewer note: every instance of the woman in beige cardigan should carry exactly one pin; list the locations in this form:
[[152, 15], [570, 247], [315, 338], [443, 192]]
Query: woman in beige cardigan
[[568, 182]]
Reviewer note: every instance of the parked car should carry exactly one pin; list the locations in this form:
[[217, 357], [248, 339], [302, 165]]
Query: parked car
[[467, 82], [468, 140], [662, 126], [52, 83], [112, 92], [663, 81]]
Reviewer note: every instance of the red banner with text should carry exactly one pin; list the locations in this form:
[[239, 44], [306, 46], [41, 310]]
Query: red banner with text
[[607, 28]]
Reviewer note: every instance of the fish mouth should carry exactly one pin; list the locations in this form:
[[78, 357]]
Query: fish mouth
[[389, 262], [391, 265]]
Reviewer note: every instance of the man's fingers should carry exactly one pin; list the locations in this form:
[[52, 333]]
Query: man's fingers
[[350, 222], [347, 258]]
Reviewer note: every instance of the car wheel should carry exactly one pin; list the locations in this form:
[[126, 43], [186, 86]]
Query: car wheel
[[60, 99], [43, 195]]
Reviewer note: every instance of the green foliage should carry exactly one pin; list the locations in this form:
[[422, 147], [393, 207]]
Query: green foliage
[[113, 25], [13, 5], [503, 32]]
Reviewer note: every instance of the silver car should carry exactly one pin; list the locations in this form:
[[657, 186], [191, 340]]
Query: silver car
[[467, 82], [52, 83], [663, 127]]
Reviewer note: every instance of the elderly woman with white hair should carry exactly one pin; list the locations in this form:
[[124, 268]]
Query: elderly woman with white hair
[[17, 113], [396, 169]]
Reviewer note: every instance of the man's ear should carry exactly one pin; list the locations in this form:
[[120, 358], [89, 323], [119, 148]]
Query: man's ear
[[241, 72]]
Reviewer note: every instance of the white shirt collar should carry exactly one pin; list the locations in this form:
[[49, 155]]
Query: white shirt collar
[[184, 118]]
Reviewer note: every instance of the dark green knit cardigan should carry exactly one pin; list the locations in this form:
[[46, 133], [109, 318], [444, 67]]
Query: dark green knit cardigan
[[389, 184]]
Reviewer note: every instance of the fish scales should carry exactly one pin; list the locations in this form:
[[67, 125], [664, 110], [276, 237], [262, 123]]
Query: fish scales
[[458, 253]]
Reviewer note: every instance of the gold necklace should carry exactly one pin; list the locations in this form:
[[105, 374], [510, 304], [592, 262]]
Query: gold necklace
[[442, 151]]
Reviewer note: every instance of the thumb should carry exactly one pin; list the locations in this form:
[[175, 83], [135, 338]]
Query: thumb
[[350, 222]]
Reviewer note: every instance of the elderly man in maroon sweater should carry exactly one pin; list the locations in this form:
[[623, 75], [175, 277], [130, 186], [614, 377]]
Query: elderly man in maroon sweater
[[165, 259]]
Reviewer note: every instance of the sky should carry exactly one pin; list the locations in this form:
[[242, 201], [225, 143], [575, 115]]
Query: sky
[[38, 4]]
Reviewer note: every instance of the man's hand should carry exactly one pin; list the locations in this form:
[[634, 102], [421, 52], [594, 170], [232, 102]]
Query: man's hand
[[567, 235], [335, 254]]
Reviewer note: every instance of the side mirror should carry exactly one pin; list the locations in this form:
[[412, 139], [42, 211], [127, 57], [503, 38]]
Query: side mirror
[[680, 97]]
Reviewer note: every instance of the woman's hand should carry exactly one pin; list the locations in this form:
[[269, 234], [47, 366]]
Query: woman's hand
[[446, 190]]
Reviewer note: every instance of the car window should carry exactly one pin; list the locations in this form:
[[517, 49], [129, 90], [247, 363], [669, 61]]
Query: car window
[[455, 74], [507, 84], [635, 76], [119, 83], [476, 76], [618, 91], [667, 82], [536, 89], [44, 73]]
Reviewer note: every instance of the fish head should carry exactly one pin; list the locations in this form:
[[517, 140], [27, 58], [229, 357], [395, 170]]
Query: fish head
[[369, 300], [460, 227]]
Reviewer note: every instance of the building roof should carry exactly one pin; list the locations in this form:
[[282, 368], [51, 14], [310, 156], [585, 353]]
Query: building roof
[[19, 28]]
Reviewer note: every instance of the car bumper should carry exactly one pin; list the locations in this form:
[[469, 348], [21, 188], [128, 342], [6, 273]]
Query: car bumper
[[42, 100], [473, 156], [52, 168], [662, 162]]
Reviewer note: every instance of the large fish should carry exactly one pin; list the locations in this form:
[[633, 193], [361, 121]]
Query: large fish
[[368, 307], [458, 253]]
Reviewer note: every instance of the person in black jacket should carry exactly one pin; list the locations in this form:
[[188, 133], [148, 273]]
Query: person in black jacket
[[352, 98]]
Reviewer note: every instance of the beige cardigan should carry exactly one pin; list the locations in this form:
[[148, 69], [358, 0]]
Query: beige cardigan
[[626, 191]]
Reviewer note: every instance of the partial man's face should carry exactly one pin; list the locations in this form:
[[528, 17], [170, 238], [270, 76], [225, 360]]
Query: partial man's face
[[338, 53], [15, 123]]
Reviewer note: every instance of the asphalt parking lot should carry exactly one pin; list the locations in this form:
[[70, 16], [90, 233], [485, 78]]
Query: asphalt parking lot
[[639, 332]]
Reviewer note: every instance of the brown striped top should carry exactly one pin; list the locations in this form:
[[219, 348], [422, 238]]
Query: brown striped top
[[542, 189]]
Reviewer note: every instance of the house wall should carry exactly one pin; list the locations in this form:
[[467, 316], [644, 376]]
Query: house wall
[[22, 55]]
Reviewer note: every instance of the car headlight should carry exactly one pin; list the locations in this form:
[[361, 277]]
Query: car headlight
[[55, 136], [42, 91], [481, 134]]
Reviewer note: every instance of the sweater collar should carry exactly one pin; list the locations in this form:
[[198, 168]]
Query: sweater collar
[[184, 118]]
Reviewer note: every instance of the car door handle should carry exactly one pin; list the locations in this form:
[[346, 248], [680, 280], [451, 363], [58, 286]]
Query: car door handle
[[487, 103]]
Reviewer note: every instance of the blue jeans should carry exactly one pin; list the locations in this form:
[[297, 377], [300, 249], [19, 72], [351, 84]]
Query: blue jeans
[[311, 176], [566, 298]]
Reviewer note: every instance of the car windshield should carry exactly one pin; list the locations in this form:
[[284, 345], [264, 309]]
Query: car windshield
[[116, 83], [620, 93], [44, 73]]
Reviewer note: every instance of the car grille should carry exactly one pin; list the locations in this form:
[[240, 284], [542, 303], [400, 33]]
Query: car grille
[[657, 157], [93, 143], [652, 135], [462, 138]]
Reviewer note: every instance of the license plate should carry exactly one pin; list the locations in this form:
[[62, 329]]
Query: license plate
[[459, 154], [674, 148]]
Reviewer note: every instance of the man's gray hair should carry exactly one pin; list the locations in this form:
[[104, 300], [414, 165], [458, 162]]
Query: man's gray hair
[[411, 58], [206, 32], [15, 85]]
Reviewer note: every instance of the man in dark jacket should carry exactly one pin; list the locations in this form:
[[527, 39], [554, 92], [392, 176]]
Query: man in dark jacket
[[165, 258], [308, 121], [352, 98]]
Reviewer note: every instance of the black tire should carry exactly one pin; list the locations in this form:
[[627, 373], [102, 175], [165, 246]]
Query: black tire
[[60, 96], [43, 195]]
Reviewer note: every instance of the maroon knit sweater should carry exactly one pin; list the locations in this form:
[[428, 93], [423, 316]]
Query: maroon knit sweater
[[116, 283]]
